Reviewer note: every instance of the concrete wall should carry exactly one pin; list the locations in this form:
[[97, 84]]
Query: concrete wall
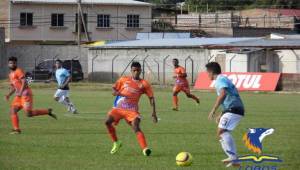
[[28, 54], [283, 61], [289, 82], [2, 54], [258, 32], [42, 30], [264, 18], [289, 60], [102, 65]]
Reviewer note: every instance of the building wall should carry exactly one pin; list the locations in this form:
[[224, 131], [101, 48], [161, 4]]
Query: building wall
[[289, 61], [264, 18], [100, 69], [42, 31], [4, 4], [283, 61], [2, 54], [29, 55]]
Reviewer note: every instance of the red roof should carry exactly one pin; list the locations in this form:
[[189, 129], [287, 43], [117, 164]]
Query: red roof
[[287, 12]]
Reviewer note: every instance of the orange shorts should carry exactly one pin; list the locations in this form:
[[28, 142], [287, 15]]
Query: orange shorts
[[23, 102], [182, 87], [119, 114]]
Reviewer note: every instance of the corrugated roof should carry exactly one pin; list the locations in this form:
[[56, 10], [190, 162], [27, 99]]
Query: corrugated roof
[[107, 2], [261, 43], [211, 43], [171, 43]]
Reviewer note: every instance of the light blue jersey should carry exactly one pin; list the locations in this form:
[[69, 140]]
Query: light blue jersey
[[61, 76], [232, 100]]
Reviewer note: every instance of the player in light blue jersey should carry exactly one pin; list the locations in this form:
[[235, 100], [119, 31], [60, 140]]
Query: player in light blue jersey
[[63, 78], [233, 111]]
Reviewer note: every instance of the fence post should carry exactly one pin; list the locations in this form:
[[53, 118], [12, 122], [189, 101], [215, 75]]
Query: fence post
[[93, 59], [189, 58], [128, 65], [164, 69], [230, 62], [210, 57], [158, 77], [112, 67], [144, 61]]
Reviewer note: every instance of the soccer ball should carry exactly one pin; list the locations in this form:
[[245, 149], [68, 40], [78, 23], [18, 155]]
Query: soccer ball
[[184, 159]]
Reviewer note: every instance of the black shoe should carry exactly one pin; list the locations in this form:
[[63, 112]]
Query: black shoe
[[147, 152], [52, 114]]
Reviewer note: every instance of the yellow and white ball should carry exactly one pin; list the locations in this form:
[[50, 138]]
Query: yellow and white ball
[[184, 159]]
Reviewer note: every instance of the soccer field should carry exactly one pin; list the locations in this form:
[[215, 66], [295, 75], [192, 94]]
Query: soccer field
[[81, 142]]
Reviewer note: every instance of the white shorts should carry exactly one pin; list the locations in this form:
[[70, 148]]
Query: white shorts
[[229, 121], [61, 93]]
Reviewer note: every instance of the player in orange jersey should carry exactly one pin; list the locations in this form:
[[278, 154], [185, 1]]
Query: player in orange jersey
[[23, 96], [181, 84], [128, 91]]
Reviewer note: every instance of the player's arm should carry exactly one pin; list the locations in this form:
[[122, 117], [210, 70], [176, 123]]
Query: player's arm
[[24, 84], [11, 92], [67, 81], [218, 102], [152, 103], [116, 88]]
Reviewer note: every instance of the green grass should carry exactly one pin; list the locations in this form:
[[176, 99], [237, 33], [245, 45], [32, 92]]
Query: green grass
[[81, 142]]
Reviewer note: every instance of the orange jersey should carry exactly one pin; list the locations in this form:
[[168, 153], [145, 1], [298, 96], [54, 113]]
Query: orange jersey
[[15, 78], [179, 71], [130, 92]]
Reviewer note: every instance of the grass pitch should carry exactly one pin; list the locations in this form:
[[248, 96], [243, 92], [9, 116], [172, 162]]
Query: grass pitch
[[81, 142]]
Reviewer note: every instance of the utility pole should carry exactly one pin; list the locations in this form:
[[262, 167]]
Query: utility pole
[[78, 23]]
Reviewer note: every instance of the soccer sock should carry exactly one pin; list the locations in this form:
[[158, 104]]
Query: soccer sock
[[63, 101], [141, 139], [112, 132], [175, 101], [15, 121], [228, 145], [195, 98], [39, 112]]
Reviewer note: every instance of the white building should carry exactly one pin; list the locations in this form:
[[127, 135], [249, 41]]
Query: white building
[[55, 20], [233, 54]]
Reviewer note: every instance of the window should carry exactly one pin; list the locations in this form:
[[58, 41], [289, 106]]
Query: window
[[57, 20], [85, 21], [133, 21], [26, 19], [103, 21]]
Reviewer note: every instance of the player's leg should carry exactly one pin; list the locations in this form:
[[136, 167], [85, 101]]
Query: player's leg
[[176, 90], [188, 94], [16, 106], [140, 136], [15, 120], [59, 96], [227, 123], [27, 104], [71, 107], [109, 123]]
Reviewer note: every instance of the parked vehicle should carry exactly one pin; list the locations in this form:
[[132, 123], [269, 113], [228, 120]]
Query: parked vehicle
[[45, 70]]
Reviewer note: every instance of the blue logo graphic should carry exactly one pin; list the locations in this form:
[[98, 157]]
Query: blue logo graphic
[[253, 141]]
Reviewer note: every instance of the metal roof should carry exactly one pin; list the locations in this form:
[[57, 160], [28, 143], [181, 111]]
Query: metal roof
[[106, 2], [171, 43], [262, 43]]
